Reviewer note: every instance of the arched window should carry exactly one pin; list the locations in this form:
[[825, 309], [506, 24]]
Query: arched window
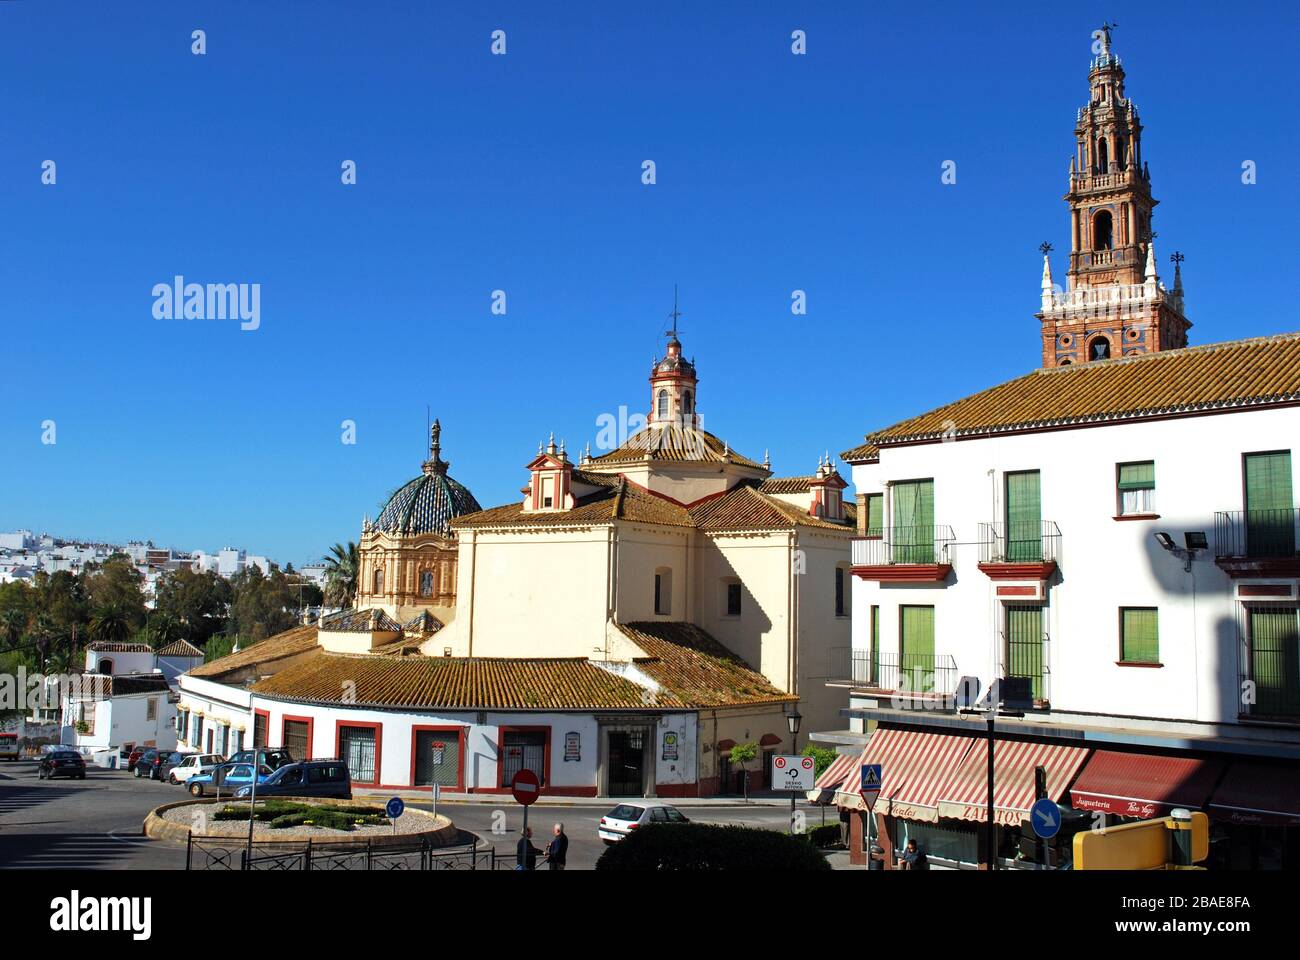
[[379, 580], [1103, 159], [1102, 230], [426, 583], [1099, 349], [106, 666], [663, 591], [687, 400], [662, 411]]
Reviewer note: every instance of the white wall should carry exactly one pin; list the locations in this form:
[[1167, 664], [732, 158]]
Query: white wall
[[1104, 563]]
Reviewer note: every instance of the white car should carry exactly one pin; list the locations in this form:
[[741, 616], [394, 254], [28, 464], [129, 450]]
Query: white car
[[193, 765], [627, 817]]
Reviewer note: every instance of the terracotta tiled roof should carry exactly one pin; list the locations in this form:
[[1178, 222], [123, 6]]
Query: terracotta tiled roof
[[456, 682], [786, 485], [122, 684], [745, 508], [180, 648], [620, 501], [290, 643], [100, 646], [361, 621], [676, 443], [863, 453], [422, 623], [1194, 380], [696, 669]]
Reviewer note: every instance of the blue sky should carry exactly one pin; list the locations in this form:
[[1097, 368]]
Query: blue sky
[[523, 173]]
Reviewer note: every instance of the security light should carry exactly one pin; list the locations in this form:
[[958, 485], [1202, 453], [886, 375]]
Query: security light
[[1165, 540], [1196, 540]]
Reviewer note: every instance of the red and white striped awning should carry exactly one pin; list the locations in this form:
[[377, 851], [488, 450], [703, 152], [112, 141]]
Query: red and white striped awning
[[833, 777], [964, 796], [913, 766]]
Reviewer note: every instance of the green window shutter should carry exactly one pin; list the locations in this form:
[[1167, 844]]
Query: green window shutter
[[875, 514], [1275, 660], [1025, 645], [1139, 635], [1024, 517], [913, 532], [875, 644], [1137, 476], [916, 647], [1270, 519]]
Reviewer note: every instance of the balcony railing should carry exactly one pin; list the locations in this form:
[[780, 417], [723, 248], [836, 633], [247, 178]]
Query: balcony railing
[[1256, 534], [1271, 701], [1028, 541], [1028, 657], [905, 545], [910, 672]]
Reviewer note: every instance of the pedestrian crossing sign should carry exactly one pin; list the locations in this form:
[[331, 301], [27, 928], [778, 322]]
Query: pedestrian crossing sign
[[871, 778]]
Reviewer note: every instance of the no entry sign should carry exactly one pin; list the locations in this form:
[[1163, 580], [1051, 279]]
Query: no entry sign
[[525, 786]]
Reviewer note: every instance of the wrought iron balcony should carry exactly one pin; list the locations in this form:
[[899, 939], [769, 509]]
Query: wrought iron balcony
[[914, 673], [1027, 549], [1269, 700], [1257, 542], [907, 554]]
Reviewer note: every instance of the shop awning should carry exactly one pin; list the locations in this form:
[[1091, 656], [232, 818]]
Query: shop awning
[[769, 740], [725, 745], [913, 766], [964, 795], [1143, 784], [833, 777], [1257, 793]]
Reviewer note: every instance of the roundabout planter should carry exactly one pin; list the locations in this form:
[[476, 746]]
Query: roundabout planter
[[184, 819]]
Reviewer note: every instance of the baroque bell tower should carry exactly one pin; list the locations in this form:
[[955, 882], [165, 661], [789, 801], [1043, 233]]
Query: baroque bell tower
[[1114, 304]]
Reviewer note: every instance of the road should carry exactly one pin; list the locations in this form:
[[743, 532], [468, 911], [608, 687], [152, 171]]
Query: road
[[95, 824]]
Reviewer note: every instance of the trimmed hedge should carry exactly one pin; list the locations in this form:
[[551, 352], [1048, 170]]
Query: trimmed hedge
[[283, 814], [701, 846], [824, 836]]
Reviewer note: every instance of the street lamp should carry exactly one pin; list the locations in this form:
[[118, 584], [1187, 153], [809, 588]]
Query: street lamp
[[793, 719]]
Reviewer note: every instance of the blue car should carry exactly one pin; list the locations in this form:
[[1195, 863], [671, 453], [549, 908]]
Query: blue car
[[226, 779], [311, 778]]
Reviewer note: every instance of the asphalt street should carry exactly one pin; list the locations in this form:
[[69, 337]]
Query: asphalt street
[[95, 824]]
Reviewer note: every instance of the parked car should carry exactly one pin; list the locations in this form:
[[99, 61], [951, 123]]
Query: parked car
[[143, 763], [133, 757], [61, 763], [307, 778], [9, 746], [273, 758], [626, 817], [224, 780], [181, 766]]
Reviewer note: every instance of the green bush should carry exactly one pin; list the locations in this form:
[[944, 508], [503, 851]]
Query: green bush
[[823, 757], [700, 846], [283, 814], [826, 835]]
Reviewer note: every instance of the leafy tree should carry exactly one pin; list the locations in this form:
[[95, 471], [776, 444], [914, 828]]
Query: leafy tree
[[262, 604], [111, 624], [823, 757], [116, 584], [219, 646], [744, 754], [198, 603], [342, 568]]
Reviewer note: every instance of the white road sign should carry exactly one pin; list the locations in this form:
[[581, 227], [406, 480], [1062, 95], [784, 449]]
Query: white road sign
[[792, 773]]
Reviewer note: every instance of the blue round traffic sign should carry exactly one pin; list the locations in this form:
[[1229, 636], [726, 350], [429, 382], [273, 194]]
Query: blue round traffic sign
[[394, 808], [1045, 816]]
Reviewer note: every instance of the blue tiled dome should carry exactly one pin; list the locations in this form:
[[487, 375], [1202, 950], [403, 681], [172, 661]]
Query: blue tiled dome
[[426, 505]]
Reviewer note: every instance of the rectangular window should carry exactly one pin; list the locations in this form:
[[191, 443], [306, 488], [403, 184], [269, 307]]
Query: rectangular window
[[913, 531], [1136, 487], [1024, 517], [1025, 644], [523, 749], [874, 524], [916, 647], [296, 735], [1139, 635], [437, 758], [151, 709], [357, 748], [239, 740], [1274, 660], [875, 645], [548, 491], [733, 599], [663, 594], [259, 730], [1270, 517], [839, 591]]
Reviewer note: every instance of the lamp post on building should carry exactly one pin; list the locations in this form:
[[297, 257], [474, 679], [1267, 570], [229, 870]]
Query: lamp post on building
[[793, 719]]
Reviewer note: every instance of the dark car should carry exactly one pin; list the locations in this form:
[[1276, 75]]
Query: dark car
[[170, 758], [150, 763], [133, 757], [273, 758], [61, 763], [308, 778]]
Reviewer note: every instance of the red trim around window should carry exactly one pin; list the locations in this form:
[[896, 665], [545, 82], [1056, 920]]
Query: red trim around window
[[252, 734], [501, 754], [462, 735], [311, 731], [379, 747]]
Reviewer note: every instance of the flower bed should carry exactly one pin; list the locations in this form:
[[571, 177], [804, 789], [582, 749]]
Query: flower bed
[[288, 814]]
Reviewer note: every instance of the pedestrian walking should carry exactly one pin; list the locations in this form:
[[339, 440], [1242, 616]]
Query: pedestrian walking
[[557, 851]]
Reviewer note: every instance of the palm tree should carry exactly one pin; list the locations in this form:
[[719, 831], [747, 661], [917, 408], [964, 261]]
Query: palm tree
[[12, 624], [110, 624], [341, 568]]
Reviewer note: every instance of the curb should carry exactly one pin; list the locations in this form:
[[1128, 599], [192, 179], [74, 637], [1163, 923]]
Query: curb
[[157, 828], [497, 800]]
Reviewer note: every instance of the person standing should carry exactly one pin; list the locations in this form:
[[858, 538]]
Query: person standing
[[525, 852], [557, 851]]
